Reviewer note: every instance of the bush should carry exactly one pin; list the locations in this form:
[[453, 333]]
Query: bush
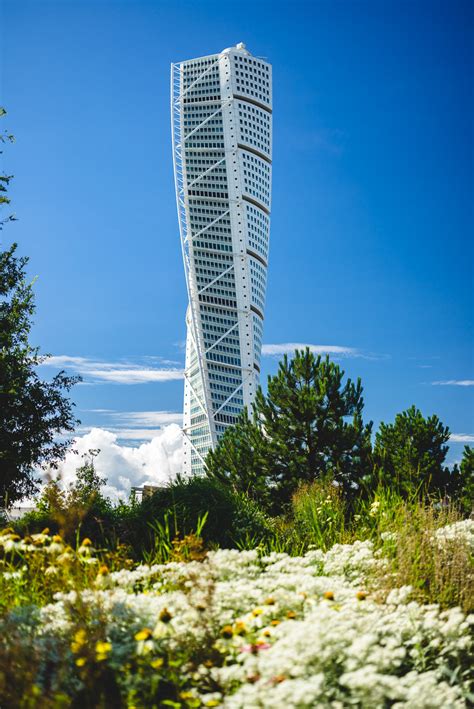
[[182, 505]]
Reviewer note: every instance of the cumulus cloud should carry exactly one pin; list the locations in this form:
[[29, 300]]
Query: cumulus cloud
[[155, 462], [282, 348], [133, 425], [455, 382], [462, 438], [120, 372]]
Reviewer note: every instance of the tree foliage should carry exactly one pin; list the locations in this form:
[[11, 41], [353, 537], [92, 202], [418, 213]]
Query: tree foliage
[[33, 413], [462, 481], [409, 454], [79, 506], [308, 426]]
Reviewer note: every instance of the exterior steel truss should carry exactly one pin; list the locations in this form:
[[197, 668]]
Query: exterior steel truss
[[179, 138], [186, 242]]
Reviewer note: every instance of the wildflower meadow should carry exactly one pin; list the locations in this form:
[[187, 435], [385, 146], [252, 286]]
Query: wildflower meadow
[[238, 629]]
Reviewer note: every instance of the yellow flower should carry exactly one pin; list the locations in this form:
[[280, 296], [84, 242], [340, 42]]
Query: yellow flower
[[374, 507], [239, 628], [257, 611], [275, 622], [103, 570], [86, 542], [143, 634], [57, 538], [79, 640], [227, 631], [186, 695], [157, 663], [361, 595], [270, 601], [102, 650], [328, 595], [212, 703], [45, 530], [291, 615], [81, 661], [267, 633]]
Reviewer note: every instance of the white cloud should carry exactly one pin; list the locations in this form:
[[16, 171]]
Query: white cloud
[[98, 411], [154, 462], [134, 425], [462, 438], [146, 418], [455, 382], [134, 376], [120, 372], [290, 347]]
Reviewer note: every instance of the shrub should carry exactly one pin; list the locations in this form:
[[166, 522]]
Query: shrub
[[182, 505]]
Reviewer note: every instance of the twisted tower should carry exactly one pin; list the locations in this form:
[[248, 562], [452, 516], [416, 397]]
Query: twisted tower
[[221, 116]]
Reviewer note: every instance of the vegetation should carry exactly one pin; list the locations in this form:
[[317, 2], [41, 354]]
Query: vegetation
[[278, 579], [33, 413], [462, 481], [410, 453], [308, 426], [171, 512], [84, 627]]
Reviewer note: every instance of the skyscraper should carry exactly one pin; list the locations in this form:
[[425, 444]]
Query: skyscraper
[[221, 115]]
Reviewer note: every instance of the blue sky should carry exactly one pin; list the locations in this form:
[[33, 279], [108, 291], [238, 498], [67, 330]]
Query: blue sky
[[372, 222]]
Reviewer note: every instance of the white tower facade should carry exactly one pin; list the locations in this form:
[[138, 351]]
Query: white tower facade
[[221, 115]]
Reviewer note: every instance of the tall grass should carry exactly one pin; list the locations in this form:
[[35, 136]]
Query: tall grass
[[319, 515], [439, 568], [167, 545], [404, 530]]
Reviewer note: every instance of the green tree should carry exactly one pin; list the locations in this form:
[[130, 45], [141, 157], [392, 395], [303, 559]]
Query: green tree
[[5, 137], [33, 413], [238, 460], [87, 487], [308, 426], [409, 454], [461, 485]]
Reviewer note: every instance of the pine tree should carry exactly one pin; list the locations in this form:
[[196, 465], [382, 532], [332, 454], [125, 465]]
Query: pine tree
[[236, 461], [308, 426], [409, 454], [461, 484]]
